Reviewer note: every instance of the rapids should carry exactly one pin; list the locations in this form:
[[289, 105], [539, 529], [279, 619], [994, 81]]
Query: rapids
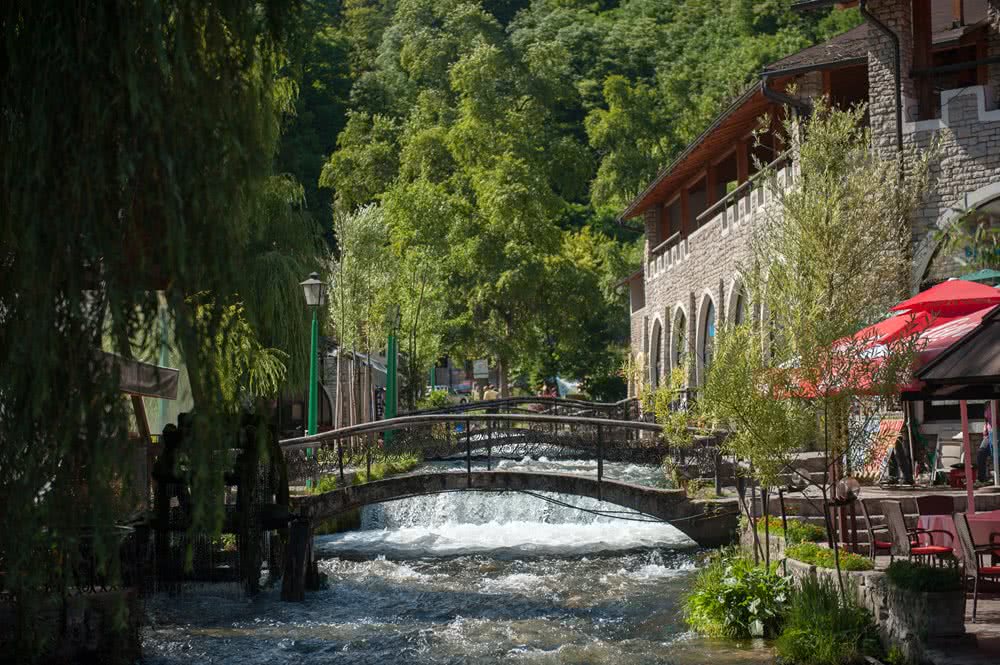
[[466, 578]]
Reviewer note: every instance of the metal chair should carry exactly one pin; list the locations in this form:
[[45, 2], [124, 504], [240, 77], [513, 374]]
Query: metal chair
[[875, 546], [935, 504], [906, 542], [972, 558]]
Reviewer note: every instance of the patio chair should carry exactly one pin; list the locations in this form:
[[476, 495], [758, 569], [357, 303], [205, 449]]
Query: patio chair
[[875, 544], [906, 542], [935, 504], [972, 559]]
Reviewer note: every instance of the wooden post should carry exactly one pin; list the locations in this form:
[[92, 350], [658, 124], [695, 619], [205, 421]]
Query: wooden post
[[995, 414], [293, 582], [743, 161], [970, 482], [600, 461], [312, 569]]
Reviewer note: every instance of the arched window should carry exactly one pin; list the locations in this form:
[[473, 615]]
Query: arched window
[[740, 309], [657, 354], [680, 339], [708, 336]]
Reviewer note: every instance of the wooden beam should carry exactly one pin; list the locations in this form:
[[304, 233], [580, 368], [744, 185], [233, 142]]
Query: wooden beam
[[743, 160], [711, 185], [686, 226]]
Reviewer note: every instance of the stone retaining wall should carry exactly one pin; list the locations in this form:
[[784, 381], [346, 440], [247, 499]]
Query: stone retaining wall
[[906, 619]]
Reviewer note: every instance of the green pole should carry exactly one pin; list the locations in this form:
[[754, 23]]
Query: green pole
[[391, 386], [313, 396]]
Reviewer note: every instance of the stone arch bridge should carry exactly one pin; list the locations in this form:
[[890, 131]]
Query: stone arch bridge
[[513, 429]]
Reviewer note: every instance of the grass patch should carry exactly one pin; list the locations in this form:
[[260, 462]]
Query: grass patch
[[390, 466], [821, 628], [923, 579], [798, 531], [823, 557], [734, 598]]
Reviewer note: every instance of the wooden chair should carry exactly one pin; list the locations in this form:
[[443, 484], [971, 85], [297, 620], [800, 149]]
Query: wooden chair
[[972, 558], [906, 542]]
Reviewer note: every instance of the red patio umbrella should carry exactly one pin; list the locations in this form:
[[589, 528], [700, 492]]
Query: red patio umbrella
[[954, 296]]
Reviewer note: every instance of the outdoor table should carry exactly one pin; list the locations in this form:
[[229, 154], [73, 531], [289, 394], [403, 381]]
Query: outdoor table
[[981, 525]]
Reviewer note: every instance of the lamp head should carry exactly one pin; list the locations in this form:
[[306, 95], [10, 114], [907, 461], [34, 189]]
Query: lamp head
[[314, 290]]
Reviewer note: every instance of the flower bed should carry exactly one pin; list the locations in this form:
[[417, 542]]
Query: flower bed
[[798, 531], [822, 557]]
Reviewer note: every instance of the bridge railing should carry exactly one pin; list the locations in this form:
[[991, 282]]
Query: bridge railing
[[626, 409], [483, 437]]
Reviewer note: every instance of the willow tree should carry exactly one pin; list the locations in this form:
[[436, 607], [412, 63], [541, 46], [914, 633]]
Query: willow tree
[[135, 155], [830, 258]]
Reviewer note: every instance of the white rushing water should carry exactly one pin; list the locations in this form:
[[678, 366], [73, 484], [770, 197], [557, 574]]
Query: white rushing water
[[467, 578], [505, 525]]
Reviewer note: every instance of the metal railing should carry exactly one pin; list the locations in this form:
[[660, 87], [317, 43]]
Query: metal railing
[[626, 409], [484, 437]]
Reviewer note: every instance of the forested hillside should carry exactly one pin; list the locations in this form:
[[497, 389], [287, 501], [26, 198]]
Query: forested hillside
[[499, 139]]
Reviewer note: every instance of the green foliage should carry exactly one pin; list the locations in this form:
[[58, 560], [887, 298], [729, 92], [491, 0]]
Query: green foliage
[[798, 531], [499, 138], [823, 557], [734, 598], [435, 400], [665, 405], [388, 467], [149, 184], [822, 627], [325, 484], [916, 577], [973, 241], [744, 395]]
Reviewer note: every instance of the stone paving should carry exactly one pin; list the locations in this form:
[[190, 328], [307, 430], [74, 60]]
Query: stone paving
[[981, 646]]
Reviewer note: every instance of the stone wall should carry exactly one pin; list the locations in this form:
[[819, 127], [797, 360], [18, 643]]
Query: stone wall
[[905, 619], [704, 266], [700, 269], [967, 134]]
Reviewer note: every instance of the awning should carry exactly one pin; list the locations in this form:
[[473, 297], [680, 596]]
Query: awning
[[935, 334], [144, 379], [956, 296], [986, 276], [969, 368]]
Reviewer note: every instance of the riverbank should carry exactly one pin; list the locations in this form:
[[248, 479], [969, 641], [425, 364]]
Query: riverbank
[[931, 628]]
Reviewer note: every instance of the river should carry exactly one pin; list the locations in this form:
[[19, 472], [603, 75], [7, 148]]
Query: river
[[465, 578]]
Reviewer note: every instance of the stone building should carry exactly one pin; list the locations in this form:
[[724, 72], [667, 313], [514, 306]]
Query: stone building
[[929, 71]]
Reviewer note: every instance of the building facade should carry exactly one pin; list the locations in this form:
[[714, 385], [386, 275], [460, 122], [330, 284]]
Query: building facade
[[929, 71]]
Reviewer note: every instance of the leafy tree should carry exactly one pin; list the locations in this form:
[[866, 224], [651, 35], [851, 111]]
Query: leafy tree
[[150, 177], [829, 259]]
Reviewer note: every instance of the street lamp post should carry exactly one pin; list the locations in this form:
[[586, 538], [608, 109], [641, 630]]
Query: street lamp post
[[315, 292], [391, 369]]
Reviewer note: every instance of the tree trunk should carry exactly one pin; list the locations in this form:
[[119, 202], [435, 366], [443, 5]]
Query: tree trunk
[[502, 378]]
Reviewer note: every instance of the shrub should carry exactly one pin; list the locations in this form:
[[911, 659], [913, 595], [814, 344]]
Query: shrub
[[732, 597], [436, 399], [387, 467], [325, 484], [821, 628], [917, 577], [823, 557], [798, 531]]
